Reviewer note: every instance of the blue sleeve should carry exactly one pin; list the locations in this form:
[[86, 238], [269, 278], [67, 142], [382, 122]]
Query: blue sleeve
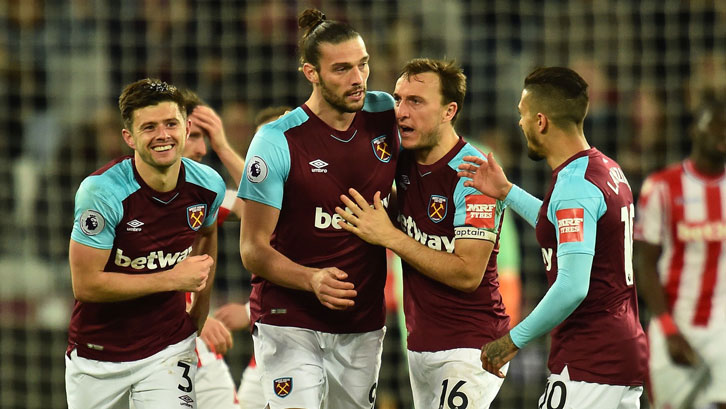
[[524, 204], [569, 196], [565, 295], [268, 165], [96, 214]]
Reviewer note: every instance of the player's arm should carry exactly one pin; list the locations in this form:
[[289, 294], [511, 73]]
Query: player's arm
[[92, 284], [262, 259], [646, 252], [211, 123], [574, 259], [205, 244], [463, 269], [488, 177]]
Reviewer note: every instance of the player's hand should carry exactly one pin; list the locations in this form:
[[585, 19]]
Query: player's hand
[[332, 290], [371, 224], [485, 176], [192, 273], [680, 350], [497, 353], [216, 336], [211, 124], [233, 316]]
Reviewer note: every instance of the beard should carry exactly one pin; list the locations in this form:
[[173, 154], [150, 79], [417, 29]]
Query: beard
[[534, 155], [338, 102]]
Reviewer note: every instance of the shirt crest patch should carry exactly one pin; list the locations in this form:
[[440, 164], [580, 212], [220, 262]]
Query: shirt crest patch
[[437, 208], [570, 224], [381, 149], [196, 215], [282, 386]]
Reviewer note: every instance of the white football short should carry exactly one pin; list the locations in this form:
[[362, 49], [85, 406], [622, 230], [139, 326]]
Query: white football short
[[673, 384], [214, 383], [250, 389], [302, 368], [563, 393], [163, 380], [452, 379]]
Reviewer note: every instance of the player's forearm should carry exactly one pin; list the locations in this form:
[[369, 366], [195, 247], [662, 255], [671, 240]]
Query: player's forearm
[[649, 285], [205, 243], [524, 204], [106, 286], [268, 263], [447, 268], [567, 292], [232, 162]]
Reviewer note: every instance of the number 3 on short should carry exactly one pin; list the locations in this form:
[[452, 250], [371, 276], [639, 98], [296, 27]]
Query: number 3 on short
[[186, 377], [627, 213], [463, 401]]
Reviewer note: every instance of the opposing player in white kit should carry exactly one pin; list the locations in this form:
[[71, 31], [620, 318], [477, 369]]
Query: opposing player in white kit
[[447, 239], [680, 234], [144, 234]]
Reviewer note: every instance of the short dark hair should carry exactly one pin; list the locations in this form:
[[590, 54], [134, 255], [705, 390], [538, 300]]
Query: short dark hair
[[270, 114], [317, 29], [191, 100], [558, 92], [451, 77], [144, 93]]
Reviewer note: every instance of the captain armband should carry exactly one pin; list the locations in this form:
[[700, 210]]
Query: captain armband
[[468, 232]]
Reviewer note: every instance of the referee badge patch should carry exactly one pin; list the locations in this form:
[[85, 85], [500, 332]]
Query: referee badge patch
[[91, 222], [282, 386]]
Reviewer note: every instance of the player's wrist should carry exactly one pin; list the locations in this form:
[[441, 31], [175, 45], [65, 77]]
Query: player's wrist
[[667, 324]]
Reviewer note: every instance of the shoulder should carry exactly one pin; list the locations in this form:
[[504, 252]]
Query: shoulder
[[572, 184], [113, 182], [203, 175], [467, 150], [378, 101]]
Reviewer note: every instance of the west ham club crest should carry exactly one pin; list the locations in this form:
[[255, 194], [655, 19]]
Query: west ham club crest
[[381, 149], [196, 215], [437, 208]]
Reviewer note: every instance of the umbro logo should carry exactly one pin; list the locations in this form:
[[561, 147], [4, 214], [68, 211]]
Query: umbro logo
[[319, 166], [134, 225]]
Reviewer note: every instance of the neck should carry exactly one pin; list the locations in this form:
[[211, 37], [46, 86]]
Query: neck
[[705, 165], [563, 145], [447, 139], [327, 113], [159, 179]]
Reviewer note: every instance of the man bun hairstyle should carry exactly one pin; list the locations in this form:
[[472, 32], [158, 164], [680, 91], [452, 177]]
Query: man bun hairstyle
[[144, 93], [451, 79], [559, 93], [318, 29]]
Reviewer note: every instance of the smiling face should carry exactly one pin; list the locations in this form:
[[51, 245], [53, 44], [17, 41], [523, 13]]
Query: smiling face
[[419, 112], [158, 134], [343, 74]]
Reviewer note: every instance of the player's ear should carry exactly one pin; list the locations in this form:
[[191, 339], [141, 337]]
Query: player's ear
[[542, 122], [128, 138], [311, 73], [451, 109]]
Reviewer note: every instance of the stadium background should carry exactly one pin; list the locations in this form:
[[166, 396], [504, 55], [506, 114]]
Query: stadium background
[[64, 62]]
